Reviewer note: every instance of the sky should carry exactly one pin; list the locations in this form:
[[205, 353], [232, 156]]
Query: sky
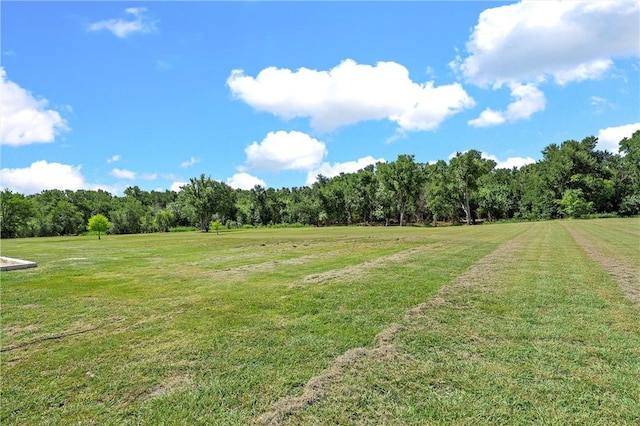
[[107, 95]]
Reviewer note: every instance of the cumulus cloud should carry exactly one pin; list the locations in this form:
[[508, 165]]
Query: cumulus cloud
[[139, 23], [190, 162], [509, 163], [516, 162], [284, 151], [244, 181], [42, 175], [332, 170], [123, 174], [177, 186], [114, 159], [528, 100], [350, 93], [566, 40], [24, 119], [609, 138]]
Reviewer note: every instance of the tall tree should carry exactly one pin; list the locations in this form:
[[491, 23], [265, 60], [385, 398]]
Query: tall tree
[[439, 193], [207, 197], [404, 178], [127, 216], [198, 193], [15, 212], [630, 148], [465, 170]]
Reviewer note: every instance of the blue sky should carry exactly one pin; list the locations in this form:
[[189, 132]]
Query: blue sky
[[115, 94]]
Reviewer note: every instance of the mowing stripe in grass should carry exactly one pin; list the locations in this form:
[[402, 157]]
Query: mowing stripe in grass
[[617, 251], [196, 346], [315, 389], [535, 333]]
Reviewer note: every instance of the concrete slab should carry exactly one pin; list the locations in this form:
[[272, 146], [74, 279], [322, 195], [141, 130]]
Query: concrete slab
[[10, 264]]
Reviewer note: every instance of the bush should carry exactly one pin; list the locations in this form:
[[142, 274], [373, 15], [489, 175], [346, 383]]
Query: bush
[[183, 229], [630, 205]]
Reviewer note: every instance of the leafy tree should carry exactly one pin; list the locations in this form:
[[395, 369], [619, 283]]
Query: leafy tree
[[206, 197], [439, 192], [163, 220], [496, 199], [98, 223], [15, 212], [465, 170], [366, 184], [630, 174], [330, 193], [574, 205], [403, 178], [216, 224], [127, 217], [198, 193]]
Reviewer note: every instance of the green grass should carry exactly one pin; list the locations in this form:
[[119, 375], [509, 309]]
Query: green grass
[[192, 328]]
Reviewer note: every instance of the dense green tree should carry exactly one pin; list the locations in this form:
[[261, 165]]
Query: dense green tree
[[465, 171], [495, 195], [331, 194], [98, 223], [198, 193], [574, 205], [15, 213], [439, 192], [629, 176], [404, 179], [163, 220], [127, 216], [207, 197]]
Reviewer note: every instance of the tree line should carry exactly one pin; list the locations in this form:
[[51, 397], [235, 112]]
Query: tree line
[[573, 179]]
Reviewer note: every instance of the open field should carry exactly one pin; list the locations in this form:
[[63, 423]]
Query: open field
[[493, 324]]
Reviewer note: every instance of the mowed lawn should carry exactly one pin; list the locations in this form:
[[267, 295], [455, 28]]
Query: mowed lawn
[[507, 324]]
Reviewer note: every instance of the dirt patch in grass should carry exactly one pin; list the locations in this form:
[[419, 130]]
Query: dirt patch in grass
[[270, 265], [171, 384], [626, 274], [315, 388], [362, 268], [478, 276]]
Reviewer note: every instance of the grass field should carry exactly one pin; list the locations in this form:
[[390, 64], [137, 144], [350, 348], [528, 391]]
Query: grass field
[[493, 324]]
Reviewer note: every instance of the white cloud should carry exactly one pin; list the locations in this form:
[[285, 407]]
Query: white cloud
[[148, 176], [25, 119], [128, 174], [331, 170], [177, 186], [123, 174], [123, 28], [567, 40], [244, 181], [609, 138], [190, 162], [509, 163], [488, 118], [350, 93], [42, 175], [600, 104], [284, 151], [528, 100], [114, 159], [516, 162]]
